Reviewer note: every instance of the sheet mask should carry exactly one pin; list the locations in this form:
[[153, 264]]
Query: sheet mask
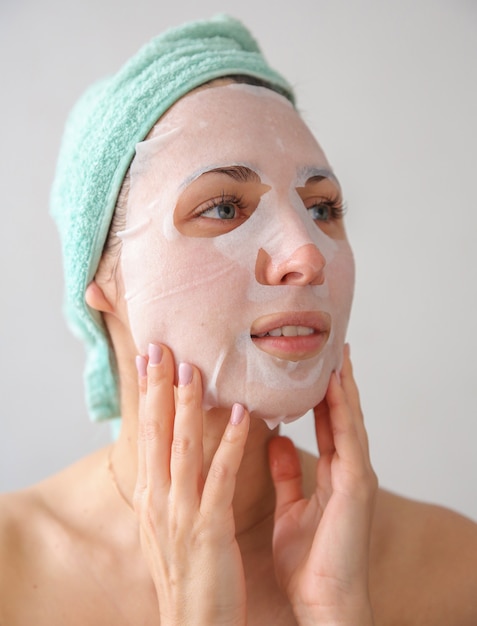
[[200, 295]]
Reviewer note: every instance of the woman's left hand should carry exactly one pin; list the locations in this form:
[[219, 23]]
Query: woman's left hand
[[321, 544]]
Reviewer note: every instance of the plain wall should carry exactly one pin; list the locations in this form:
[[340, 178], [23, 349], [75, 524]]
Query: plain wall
[[390, 89]]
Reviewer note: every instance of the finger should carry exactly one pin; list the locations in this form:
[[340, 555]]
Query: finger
[[141, 367], [351, 390], [359, 479], [349, 384], [220, 483], [187, 447], [343, 425], [157, 419], [286, 473]]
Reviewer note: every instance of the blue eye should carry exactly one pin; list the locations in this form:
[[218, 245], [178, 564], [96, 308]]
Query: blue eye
[[221, 211], [327, 210], [320, 212]]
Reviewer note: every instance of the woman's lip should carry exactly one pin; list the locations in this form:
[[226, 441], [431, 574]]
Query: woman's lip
[[300, 345], [318, 320]]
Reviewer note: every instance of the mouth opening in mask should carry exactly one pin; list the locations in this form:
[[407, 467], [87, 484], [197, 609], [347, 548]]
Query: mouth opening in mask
[[292, 336]]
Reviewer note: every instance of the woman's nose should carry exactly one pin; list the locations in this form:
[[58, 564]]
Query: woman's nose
[[303, 267]]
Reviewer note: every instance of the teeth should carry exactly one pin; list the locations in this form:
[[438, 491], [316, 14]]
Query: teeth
[[288, 331], [303, 331]]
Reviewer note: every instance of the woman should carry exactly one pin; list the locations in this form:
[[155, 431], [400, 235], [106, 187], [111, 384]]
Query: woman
[[217, 297]]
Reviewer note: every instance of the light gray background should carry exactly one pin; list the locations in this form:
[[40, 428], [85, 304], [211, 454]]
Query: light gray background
[[390, 90]]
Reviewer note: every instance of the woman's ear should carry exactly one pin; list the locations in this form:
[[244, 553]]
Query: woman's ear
[[96, 299]]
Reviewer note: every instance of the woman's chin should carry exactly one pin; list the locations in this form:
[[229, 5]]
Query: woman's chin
[[275, 419], [281, 408]]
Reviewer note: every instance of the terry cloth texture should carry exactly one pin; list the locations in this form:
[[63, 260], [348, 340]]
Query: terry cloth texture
[[98, 146]]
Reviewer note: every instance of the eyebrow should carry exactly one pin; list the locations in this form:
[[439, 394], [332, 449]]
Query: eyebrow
[[240, 173], [314, 174]]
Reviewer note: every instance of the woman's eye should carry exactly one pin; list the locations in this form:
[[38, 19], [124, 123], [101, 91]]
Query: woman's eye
[[215, 205], [320, 212], [222, 211]]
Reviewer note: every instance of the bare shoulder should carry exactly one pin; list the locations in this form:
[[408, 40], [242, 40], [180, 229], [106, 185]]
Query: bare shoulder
[[19, 516], [21, 519], [423, 561], [42, 539]]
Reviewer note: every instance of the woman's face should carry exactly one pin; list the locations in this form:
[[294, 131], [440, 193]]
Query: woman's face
[[234, 252]]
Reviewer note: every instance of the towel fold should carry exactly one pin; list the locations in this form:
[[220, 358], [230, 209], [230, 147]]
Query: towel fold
[[98, 146]]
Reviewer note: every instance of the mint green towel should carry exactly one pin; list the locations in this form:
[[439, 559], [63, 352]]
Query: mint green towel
[[98, 145]]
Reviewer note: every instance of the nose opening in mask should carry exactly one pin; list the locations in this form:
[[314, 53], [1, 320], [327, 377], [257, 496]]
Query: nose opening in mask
[[304, 266]]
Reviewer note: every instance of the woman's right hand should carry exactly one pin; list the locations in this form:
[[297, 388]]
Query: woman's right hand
[[321, 544], [186, 520]]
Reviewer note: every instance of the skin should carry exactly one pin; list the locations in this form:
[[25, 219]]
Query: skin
[[226, 523], [321, 588], [71, 550]]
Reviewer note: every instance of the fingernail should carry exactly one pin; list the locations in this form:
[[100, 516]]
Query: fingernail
[[185, 374], [155, 354], [338, 376], [237, 415], [347, 349], [141, 366]]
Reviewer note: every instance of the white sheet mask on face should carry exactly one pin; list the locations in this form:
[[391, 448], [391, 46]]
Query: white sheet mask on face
[[201, 294]]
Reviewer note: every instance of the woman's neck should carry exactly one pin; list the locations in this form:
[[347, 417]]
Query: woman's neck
[[254, 498]]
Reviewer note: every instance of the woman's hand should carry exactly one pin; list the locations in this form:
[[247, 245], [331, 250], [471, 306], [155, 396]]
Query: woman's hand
[[186, 520], [321, 545]]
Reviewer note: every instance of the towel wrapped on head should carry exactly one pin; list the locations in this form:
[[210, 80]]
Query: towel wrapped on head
[[98, 146]]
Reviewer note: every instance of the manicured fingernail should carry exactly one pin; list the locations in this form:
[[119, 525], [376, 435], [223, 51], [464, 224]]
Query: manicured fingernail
[[185, 374], [141, 366], [347, 349], [155, 354], [237, 415]]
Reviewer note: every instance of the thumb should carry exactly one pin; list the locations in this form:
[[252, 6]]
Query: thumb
[[286, 473]]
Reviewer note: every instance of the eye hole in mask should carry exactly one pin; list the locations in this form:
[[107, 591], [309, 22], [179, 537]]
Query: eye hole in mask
[[218, 201], [323, 200], [222, 199]]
